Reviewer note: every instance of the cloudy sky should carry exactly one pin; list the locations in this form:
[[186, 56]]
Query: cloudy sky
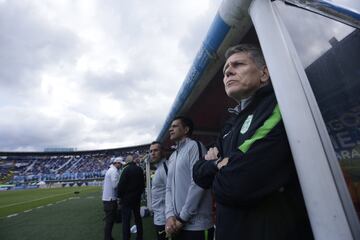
[[93, 74]]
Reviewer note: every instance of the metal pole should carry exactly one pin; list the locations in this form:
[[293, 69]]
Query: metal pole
[[148, 183]]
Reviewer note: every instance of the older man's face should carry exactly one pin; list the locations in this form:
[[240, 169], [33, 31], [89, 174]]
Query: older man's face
[[242, 77]]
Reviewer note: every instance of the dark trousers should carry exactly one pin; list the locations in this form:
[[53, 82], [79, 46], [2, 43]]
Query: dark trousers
[[195, 235], [160, 232], [126, 219], [110, 208]]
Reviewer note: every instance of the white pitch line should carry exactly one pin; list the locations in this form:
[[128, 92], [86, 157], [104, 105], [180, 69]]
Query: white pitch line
[[29, 210], [14, 204], [70, 198]]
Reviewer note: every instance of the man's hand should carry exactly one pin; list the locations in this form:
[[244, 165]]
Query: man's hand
[[212, 154], [170, 226], [222, 163], [179, 225]]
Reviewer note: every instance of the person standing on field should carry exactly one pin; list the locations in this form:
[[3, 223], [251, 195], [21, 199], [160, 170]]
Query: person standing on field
[[130, 188], [188, 206], [158, 188], [109, 196]]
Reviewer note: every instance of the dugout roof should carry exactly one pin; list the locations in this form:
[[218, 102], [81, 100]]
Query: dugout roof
[[202, 96]]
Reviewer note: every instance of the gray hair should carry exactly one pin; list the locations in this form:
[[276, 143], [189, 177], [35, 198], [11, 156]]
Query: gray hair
[[254, 52]]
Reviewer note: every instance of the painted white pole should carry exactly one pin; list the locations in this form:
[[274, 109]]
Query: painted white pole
[[148, 183]]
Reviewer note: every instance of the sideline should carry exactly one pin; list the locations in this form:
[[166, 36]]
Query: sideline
[[42, 206], [20, 203]]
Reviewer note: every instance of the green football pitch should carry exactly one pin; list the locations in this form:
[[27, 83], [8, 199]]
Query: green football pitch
[[57, 214]]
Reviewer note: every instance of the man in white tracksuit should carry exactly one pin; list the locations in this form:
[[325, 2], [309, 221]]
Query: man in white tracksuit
[[188, 206], [158, 189], [109, 196]]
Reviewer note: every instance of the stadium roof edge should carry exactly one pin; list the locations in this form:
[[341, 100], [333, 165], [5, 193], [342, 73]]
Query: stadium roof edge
[[110, 150], [329, 9]]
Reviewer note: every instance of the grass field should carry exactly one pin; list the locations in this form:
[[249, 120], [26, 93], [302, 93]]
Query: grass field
[[56, 214]]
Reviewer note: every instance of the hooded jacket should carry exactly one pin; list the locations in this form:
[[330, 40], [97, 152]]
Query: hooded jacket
[[257, 193], [131, 184]]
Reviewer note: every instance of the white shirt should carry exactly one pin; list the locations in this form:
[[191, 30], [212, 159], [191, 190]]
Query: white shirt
[[111, 181]]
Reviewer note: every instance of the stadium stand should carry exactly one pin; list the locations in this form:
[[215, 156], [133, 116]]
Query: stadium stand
[[24, 169]]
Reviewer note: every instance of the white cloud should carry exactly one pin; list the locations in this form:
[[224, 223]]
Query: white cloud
[[93, 74]]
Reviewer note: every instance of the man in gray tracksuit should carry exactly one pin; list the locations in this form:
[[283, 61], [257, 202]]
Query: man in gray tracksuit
[[158, 189], [188, 206]]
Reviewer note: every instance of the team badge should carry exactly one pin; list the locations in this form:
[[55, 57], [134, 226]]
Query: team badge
[[246, 124]]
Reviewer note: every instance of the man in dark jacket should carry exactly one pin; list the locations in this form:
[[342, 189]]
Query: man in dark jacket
[[251, 170], [130, 188]]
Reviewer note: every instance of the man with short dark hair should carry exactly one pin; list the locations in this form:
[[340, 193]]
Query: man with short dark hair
[[130, 188], [158, 188], [188, 206], [251, 169], [109, 196]]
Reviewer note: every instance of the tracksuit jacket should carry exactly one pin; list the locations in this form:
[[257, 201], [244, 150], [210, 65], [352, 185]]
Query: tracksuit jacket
[[158, 193], [257, 193], [184, 198]]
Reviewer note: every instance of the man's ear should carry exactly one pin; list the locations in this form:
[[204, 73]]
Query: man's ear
[[264, 78], [187, 129]]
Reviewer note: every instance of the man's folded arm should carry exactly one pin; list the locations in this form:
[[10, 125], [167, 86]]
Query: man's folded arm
[[204, 172], [249, 176]]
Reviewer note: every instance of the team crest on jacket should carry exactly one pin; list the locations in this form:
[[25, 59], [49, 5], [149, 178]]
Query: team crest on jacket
[[246, 124]]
